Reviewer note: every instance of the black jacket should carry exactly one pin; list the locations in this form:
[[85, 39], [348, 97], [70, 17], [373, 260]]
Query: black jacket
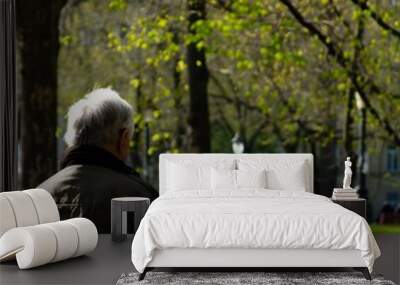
[[89, 179]]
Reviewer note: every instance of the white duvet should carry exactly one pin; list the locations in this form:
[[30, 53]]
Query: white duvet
[[250, 219]]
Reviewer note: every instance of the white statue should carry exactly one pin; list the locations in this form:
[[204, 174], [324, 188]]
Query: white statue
[[347, 174]]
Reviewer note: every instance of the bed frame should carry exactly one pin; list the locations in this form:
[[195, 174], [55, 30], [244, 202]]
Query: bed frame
[[248, 259]]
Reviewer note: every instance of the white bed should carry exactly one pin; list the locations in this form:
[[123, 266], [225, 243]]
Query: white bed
[[248, 227]]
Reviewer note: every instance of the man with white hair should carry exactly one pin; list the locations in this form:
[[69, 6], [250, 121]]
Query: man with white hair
[[93, 170]]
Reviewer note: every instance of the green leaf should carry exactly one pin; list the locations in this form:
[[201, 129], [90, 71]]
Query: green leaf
[[135, 83], [180, 66], [117, 4]]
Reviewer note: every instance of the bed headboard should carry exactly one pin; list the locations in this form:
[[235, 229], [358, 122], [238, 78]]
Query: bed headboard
[[164, 158]]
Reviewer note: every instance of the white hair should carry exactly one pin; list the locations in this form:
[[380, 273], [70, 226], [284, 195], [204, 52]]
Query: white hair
[[97, 118]]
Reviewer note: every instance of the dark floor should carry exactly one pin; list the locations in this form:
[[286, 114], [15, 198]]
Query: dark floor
[[389, 263], [110, 259], [103, 266]]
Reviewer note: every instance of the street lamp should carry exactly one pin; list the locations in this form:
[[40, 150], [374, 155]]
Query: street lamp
[[237, 144], [362, 167]]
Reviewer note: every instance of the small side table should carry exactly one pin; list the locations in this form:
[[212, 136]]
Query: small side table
[[358, 206], [119, 209]]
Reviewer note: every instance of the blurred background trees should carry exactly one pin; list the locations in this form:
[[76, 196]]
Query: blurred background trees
[[317, 76]]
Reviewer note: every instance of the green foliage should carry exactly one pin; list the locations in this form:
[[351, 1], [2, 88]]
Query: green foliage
[[117, 4], [385, 229], [268, 75]]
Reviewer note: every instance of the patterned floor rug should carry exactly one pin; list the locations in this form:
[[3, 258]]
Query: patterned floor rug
[[244, 278]]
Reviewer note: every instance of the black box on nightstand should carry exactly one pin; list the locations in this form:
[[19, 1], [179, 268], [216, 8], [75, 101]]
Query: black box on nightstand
[[358, 206]]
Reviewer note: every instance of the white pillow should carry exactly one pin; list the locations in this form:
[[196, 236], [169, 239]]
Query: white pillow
[[251, 178], [281, 174], [183, 178], [225, 179], [193, 174]]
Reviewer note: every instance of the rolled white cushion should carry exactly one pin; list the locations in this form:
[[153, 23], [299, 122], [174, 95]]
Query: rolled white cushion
[[40, 244], [23, 208], [67, 240], [87, 233], [45, 205], [26, 208], [7, 218], [33, 246]]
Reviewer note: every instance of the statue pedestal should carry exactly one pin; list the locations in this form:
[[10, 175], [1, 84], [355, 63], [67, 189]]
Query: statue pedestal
[[346, 190], [344, 194]]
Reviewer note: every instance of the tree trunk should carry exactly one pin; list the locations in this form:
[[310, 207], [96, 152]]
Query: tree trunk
[[137, 161], [180, 128], [178, 104], [349, 123], [348, 127], [8, 102], [198, 81], [37, 30], [348, 131], [326, 170]]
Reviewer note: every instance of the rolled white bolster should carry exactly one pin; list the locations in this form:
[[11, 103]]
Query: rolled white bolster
[[67, 240], [40, 244], [7, 218], [23, 208], [46, 208], [87, 233], [33, 246]]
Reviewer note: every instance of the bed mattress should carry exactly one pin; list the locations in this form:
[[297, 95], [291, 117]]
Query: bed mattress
[[250, 219]]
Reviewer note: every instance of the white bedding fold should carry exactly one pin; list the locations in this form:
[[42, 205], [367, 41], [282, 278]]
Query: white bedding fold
[[250, 219]]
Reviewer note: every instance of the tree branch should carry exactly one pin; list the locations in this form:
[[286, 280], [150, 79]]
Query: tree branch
[[363, 5], [338, 14], [301, 123], [234, 101], [332, 49], [223, 119], [353, 74], [226, 5], [225, 95], [256, 133]]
